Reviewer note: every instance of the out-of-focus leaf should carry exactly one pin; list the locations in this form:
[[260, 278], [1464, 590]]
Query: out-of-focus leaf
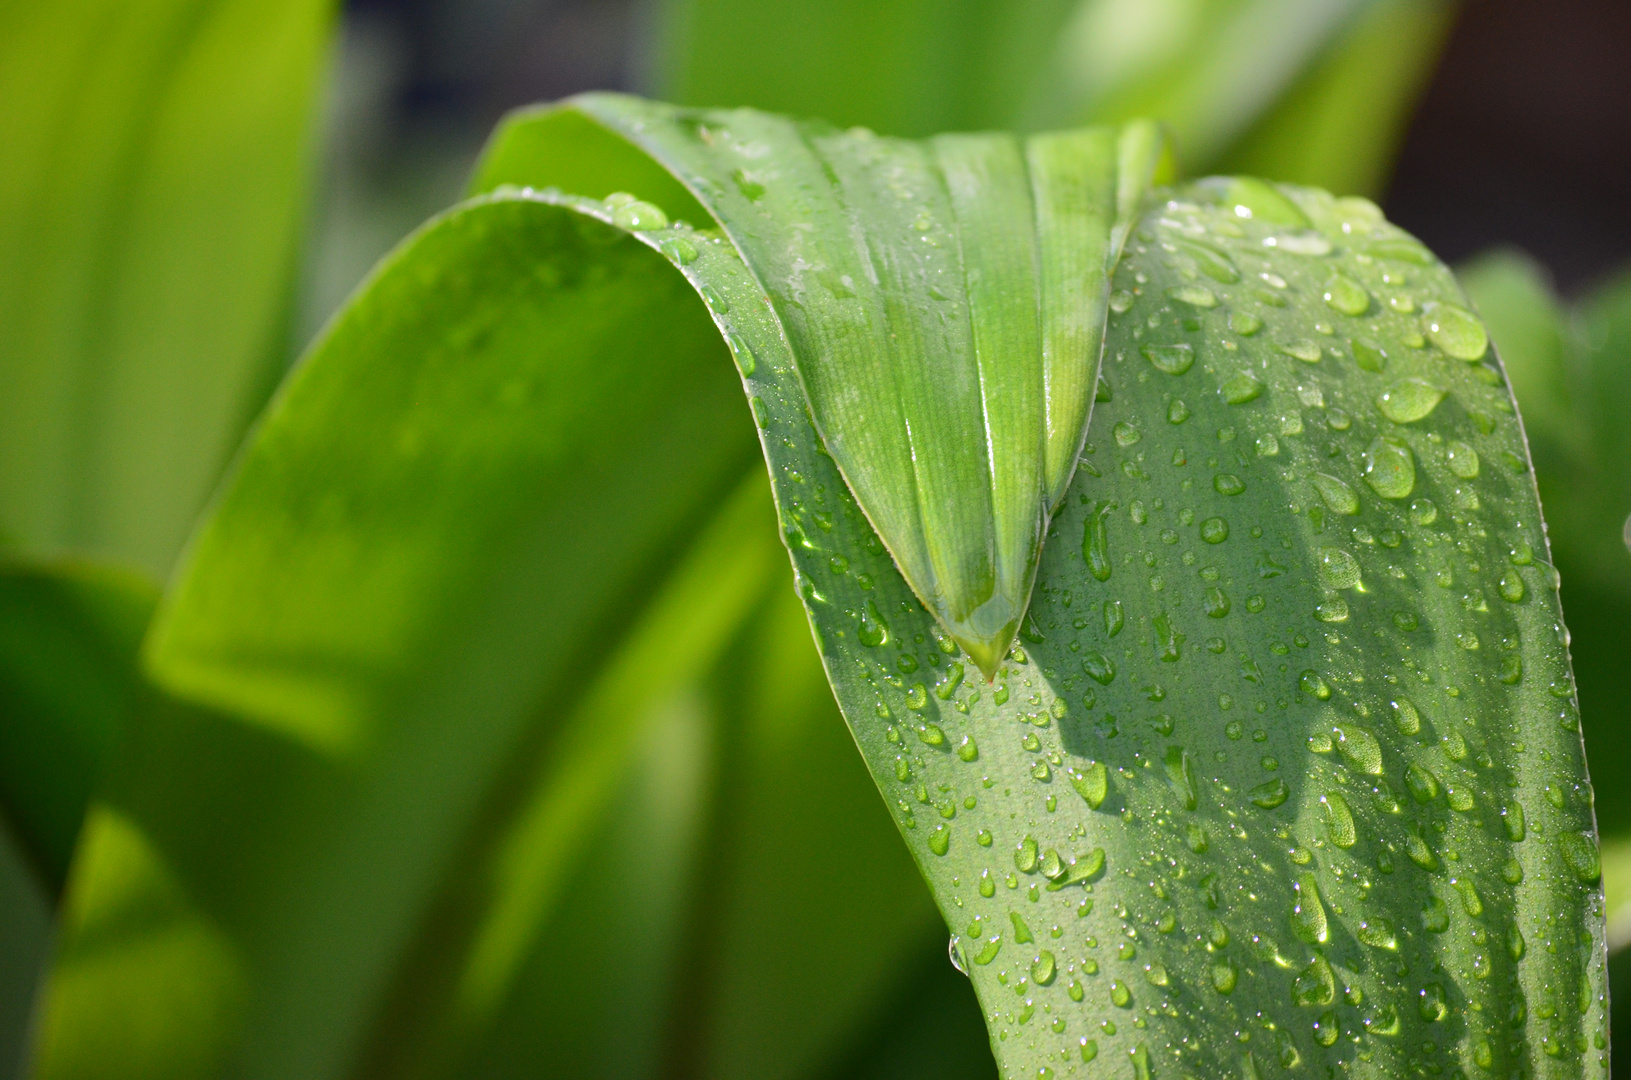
[[25, 928], [909, 67], [69, 635], [809, 909], [1310, 91], [930, 1029], [1339, 125], [151, 193], [451, 516]]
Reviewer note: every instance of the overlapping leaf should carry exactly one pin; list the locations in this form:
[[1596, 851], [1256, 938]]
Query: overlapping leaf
[[1284, 773], [151, 198]]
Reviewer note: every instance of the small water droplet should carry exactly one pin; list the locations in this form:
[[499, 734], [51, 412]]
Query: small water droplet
[[1121, 301], [1125, 434], [1457, 331], [1432, 1007], [1463, 460], [1339, 821], [1359, 748], [679, 250], [1181, 775], [1194, 295], [1337, 569], [1580, 853], [1302, 349], [1172, 359], [1378, 934], [1390, 468], [1346, 295], [1369, 355], [1096, 543], [1336, 494], [1228, 484], [1240, 388], [1270, 795], [1245, 323], [1409, 400]]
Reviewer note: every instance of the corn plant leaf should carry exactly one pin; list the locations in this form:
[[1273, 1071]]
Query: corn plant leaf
[[25, 914], [151, 194], [1285, 768], [1264, 750]]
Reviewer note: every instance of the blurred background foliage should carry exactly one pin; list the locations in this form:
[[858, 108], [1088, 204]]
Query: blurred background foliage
[[162, 204]]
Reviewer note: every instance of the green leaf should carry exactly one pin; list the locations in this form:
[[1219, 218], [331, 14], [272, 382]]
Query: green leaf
[[1276, 709], [69, 636], [150, 203], [1292, 666], [911, 68], [25, 936], [942, 303], [1309, 92], [422, 574]]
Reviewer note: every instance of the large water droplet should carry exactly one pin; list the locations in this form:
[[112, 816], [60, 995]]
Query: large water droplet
[[1409, 400], [873, 631], [1043, 969], [1462, 459]]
